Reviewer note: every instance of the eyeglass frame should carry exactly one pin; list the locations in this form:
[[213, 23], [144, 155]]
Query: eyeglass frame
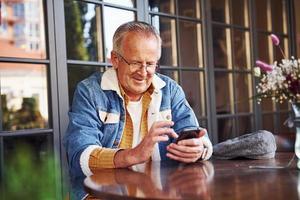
[[137, 65]]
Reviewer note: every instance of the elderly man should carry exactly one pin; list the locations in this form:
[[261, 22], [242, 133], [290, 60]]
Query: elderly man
[[131, 114]]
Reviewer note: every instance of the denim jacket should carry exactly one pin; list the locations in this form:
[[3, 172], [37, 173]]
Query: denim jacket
[[97, 116]]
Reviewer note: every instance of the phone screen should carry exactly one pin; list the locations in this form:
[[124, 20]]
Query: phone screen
[[189, 134]]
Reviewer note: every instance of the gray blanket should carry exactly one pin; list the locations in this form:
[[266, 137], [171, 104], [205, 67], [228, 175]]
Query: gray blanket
[[257, 145]]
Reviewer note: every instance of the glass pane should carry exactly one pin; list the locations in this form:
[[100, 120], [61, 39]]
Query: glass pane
[[203, 123], [268, 122], [32, 159], [24, 96], [262, 10], [114, 18], [127, 3], [167, 29], [240, 12], [224, 93], [264, 47], [190, 46], [279, 16], [221, 47], [170, 73], [76, 74], [297, 23], [283, 128], [219, 10], [225, 129], [244, 125], [193, 84], [83, 31], [189, 8], [284, 45], [283, 106], [267, 105], [243, 87], [241, 48], [164, 6], [22, 29]]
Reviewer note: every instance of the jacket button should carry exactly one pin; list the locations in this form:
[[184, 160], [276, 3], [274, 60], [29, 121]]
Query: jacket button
[[116, 143]]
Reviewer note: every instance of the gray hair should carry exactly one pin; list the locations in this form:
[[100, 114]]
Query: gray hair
[[138, 27]]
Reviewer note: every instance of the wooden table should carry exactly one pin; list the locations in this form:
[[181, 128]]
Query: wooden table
[[215, 179]]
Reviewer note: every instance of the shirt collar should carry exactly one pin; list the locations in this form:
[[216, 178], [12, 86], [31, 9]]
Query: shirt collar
[[110, 82]]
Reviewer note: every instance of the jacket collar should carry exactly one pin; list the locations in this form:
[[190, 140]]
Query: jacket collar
[[110, 82]]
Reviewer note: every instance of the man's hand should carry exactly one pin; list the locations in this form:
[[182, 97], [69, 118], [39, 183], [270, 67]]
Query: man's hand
[[187, 151], [160, 131]]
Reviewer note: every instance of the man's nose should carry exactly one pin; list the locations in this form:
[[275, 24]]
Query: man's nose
[[144, 67]]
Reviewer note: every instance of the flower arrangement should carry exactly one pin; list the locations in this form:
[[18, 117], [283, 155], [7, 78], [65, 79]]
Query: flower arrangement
[[278, 81]]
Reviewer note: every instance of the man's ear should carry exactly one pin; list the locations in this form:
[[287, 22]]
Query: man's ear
[[114, 60]]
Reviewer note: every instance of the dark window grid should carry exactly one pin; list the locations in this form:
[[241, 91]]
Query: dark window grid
[[103, 34], [103, 27], [193, 19], [235, 119], [88, 63], [231, 16], [234, 70], [173, 16], [275, 118], [24, 60], [231, 26], [238, 126], [178, 42], [176, 15], [273, 13], [2, 167], [197, 70], [108, 4], [177, 18], [280, 110], [103, 5], [250, 98], [272, 32], [25, 132], [276, 112], [230, 115], [266, 32], [201, 118], [183, 68], [234, 73]]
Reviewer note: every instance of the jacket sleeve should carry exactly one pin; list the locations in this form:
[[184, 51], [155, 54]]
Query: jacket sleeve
[[83, 135], [185, 116]]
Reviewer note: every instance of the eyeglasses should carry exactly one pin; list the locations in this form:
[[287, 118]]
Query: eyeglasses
[[136, 65]]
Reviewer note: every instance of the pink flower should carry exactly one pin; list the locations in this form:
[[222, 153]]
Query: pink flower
[[275, 39], [264, 66]]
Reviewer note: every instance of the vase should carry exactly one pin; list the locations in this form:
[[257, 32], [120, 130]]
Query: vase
[[296, 111]]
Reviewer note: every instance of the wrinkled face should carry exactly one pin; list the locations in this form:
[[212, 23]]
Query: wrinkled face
[[136, 47]]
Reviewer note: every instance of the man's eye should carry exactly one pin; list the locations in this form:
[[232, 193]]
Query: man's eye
[[136, 63]]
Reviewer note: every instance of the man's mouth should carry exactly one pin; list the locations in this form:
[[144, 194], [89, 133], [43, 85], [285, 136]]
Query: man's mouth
[[138, 79]]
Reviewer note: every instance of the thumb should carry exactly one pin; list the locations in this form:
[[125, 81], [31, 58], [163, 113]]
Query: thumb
[[202, 133]]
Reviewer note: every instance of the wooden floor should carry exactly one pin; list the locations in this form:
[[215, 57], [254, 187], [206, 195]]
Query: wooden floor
[[215, 179]]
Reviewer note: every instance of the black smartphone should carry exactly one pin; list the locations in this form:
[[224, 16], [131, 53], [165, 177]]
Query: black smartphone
[[190, 133]]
